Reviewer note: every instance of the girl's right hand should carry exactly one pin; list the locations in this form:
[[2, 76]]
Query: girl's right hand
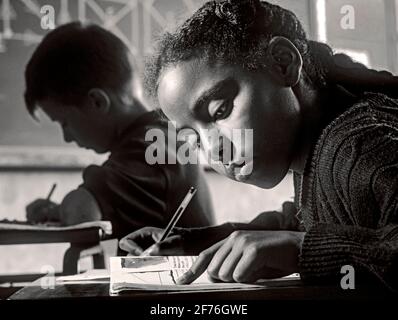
[[142, 239], [181, 241]]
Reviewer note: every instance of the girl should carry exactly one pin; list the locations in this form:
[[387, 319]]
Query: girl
[[249, 65]]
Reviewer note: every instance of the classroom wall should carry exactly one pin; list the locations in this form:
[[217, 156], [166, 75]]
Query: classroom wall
[[369, 33]]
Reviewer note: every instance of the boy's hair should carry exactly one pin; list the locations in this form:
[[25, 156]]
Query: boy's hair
[[71, 60]]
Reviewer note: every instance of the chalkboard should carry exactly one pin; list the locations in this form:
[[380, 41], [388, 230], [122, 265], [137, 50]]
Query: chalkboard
[[16, 125]]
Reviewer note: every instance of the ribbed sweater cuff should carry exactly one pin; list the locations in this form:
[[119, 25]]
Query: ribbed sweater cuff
[[326, 248]]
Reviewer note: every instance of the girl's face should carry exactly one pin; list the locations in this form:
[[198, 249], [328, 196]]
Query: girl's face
[[226, 99]]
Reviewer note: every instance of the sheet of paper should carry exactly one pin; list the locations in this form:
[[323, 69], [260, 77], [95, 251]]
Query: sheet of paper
[[95, 274], [161, 273]]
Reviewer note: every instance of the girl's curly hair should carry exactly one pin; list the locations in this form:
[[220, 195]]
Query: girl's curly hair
[[238, 32], [235, 32]]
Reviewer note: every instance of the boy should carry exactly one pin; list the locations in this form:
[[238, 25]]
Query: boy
[[82, 78]]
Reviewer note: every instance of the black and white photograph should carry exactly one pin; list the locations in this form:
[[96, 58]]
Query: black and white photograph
[[198, 158]]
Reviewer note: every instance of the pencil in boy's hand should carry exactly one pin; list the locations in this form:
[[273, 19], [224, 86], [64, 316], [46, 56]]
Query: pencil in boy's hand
[[51, 191]]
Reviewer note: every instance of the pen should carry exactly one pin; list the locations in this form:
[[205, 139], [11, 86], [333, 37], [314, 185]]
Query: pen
[[51, 191], [177, 215]]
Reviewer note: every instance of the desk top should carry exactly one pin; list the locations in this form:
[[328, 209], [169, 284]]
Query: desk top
[[25, 233], [286, 290]]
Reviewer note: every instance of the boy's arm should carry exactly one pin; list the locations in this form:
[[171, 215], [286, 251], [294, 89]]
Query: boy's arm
[[79, 206]]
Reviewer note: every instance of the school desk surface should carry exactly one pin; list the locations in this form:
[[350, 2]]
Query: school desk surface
[[288, 290]]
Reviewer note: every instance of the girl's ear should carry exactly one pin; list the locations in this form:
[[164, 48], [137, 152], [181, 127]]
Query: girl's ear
[[284, 61], [99, 100]]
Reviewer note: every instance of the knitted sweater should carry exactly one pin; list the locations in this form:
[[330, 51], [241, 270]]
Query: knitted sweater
[[349, 195]]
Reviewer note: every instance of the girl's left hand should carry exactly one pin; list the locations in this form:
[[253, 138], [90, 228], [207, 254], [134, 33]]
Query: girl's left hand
[[247, 256]]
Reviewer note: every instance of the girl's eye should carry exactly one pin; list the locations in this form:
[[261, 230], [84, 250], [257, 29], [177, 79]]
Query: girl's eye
[[219, 109]]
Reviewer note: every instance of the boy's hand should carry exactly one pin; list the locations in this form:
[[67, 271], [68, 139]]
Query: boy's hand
[[247, 256], [42, 210]]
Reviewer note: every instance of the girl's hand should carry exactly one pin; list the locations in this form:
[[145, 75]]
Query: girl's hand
[[181, 241], [247, 256], [142, 239]]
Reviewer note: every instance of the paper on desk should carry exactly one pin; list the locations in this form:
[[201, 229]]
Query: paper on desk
[[161, 273], [95, 274]]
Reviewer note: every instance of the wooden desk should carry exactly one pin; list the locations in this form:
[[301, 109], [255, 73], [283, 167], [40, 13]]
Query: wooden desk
[[288, 290]]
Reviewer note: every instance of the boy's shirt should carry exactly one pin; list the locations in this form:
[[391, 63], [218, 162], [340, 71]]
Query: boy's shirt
[[133, 194]]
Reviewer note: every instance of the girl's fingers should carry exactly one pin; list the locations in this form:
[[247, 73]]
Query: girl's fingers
[[218, 259], [151, 251], [172, 246], [249, 269], [227, 268], [200, 264], [130, 246]]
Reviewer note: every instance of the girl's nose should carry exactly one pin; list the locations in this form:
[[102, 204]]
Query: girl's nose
[[223, 150], [217, 146]]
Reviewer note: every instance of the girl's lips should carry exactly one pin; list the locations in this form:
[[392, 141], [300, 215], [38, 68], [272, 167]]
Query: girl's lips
[[241, 178], [247, 169], [231, 168]]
